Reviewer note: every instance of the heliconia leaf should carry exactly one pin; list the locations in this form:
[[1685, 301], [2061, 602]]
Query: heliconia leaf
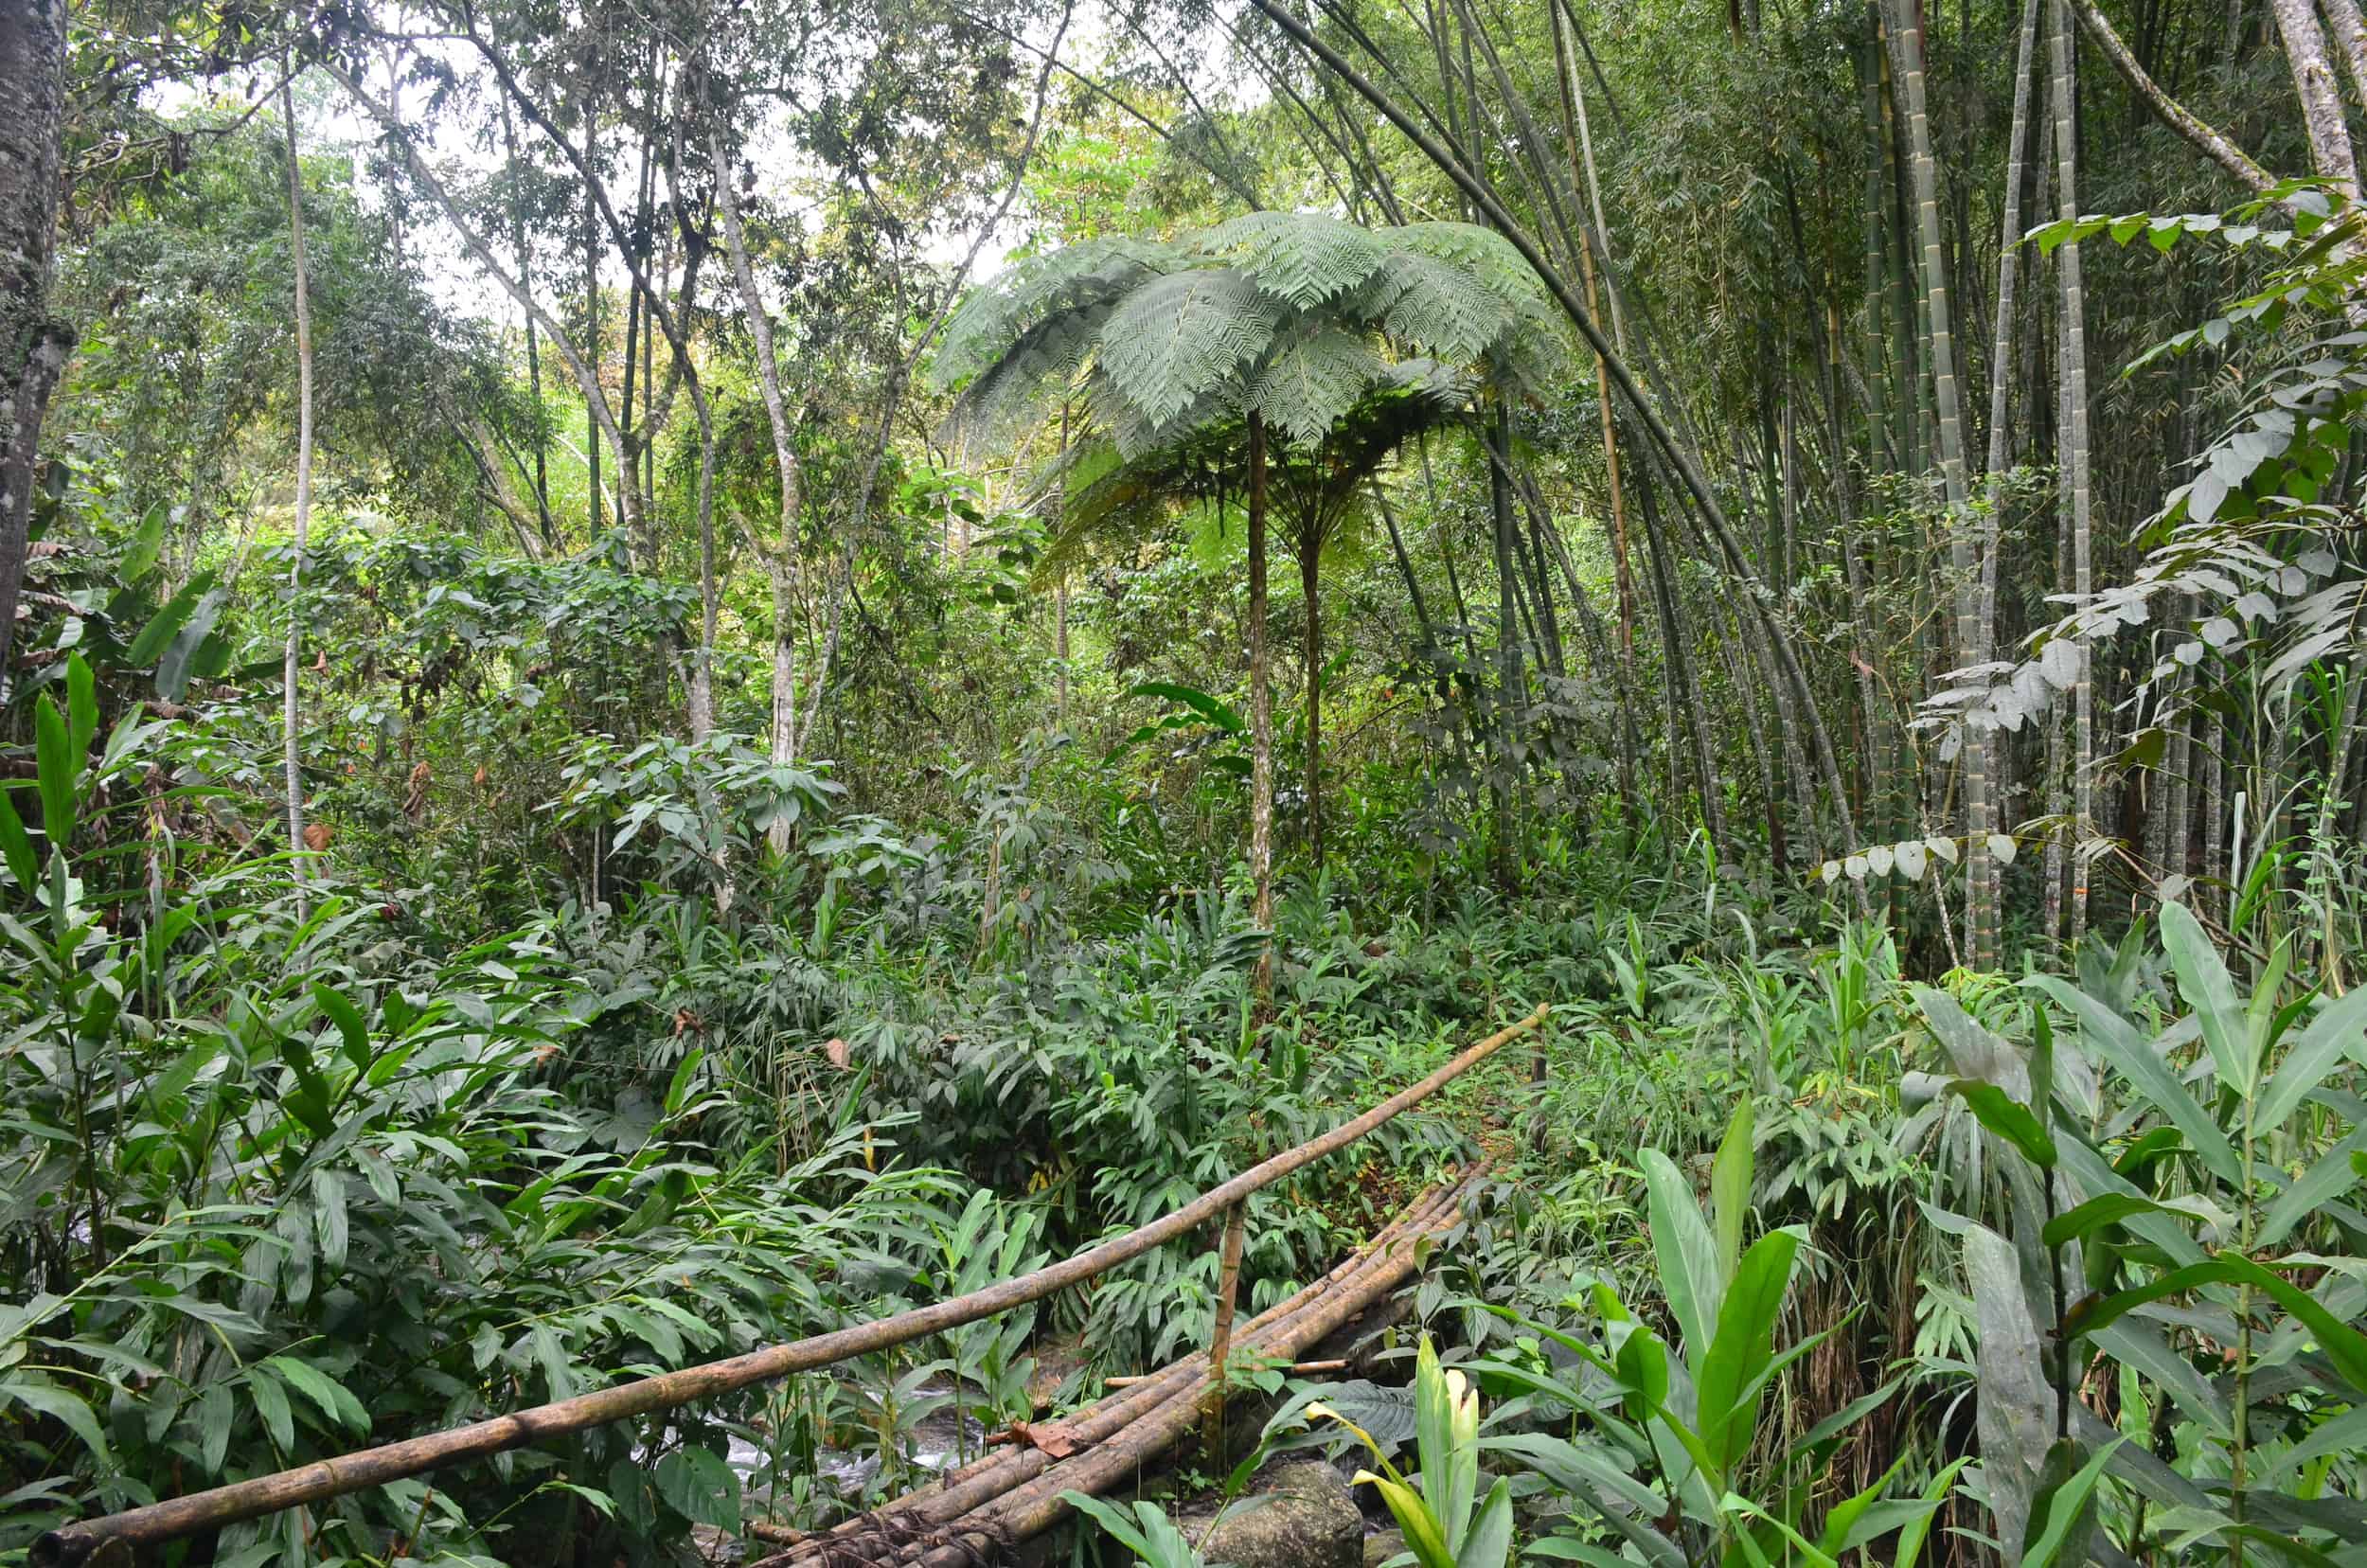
[[1685, 1250]]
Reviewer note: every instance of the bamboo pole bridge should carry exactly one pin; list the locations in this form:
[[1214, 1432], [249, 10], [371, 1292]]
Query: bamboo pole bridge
[[1007, 1497]]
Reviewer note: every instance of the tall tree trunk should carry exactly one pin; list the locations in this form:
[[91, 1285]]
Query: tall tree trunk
[[1311, 554], [292, 661], [1512, 696], [33, 345], [1686, 712], [781, 557], [2072, 424], [1622, 575], [1980, 870], [1260, 714], [2322, 98], [534, 344]]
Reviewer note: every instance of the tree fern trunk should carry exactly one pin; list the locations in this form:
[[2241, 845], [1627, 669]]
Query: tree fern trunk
[[1260, 714], [1311, 587], [2072, 424]]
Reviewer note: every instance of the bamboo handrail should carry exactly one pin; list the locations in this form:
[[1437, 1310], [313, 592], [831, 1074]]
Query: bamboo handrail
[[72, 1546]]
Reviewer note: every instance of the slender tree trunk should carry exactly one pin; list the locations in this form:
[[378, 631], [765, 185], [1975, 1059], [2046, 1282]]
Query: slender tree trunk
[[1685, 714], [781, 559], [1260, 714], [1310, 554], [1622, 575], [2072, 424], [1979, 887], [292, 661], [1512, 695], [33, 345]]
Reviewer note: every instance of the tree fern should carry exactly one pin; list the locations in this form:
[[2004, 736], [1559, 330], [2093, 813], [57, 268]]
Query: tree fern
[[1312, 382], [1177, 338], [1432, 305], [1301, 258], [1001, 313]]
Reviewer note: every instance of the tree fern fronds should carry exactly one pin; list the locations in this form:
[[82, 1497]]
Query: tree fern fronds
[[1029, 378], [1302, 259], [1433, 306], [1177, 338], [1314, 379], [1135, 434], [1002, 310]]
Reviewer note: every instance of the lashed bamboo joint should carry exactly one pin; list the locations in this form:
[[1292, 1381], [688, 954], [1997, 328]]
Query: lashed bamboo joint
[[74, 1545]]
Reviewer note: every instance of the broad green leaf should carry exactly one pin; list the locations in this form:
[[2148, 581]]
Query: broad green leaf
[[2008, 1119], [16, 846], [2337, 1031], [1730, 1187], [1488, 1540], [1729, 1378], [270, 1402], [1911, 1538], [81, 707], [56, 769], [351, 1031], [2204, 981], [2119, 1044], [51, 1401], [1110, 1520], [1413, 1518], [166, 622], [2343, 1344], [2097, 1213], [2063, 1514], [1686, 1251], [2332, 1173]]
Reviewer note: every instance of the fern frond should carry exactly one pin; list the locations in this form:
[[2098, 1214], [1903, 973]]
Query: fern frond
[[1176, 339], [1002, 310], [1306, 389], [1302, 259], [1433, 306], [1015, 391]]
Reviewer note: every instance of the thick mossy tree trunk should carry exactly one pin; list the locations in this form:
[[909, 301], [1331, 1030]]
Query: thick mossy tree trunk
[[33, 346]]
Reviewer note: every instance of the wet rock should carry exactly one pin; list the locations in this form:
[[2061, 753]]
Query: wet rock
[[1382, 1545], [1302, 1517]]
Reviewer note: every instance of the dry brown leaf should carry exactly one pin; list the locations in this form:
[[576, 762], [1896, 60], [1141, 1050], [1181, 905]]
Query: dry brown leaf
[[838, 1053], [316, 836]]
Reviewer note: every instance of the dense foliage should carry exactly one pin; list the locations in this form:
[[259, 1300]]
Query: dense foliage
[[645, 713]]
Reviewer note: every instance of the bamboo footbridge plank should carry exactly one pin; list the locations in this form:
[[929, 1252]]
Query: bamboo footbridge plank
[[73, 1545], [1015, 1494]]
